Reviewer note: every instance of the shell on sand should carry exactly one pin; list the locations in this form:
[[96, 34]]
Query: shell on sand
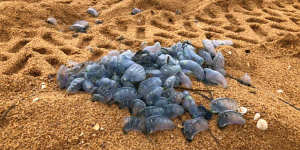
[[96, 127], [256, 116], [243, 110], [262, 124]]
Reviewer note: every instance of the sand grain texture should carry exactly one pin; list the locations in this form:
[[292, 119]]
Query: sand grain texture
[[31, 50]]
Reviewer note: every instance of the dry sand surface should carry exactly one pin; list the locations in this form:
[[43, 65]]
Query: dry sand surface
[[32, 50]]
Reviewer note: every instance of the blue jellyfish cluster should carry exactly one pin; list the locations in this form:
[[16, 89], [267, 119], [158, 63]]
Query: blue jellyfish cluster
[[145, 83]]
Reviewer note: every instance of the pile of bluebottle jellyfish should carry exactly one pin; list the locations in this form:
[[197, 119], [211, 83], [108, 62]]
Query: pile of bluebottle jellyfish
[[146, 82]]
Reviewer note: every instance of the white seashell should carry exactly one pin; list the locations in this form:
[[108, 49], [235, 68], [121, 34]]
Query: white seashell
[[243, 110], [280, 91], [52, 21], [256, 116], [36, 99], [43, 85], [81, 134], [96, 127], [248, 64], [262, 124]]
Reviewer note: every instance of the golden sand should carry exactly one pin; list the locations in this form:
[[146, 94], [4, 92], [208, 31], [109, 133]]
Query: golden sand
[[31, 51]]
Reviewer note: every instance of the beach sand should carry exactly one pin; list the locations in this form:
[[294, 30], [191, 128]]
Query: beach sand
[[31, 51]]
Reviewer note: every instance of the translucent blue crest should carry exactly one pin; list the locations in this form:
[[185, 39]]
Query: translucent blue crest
[[192, 127], [135, 73], [229, 118], [215, 77]]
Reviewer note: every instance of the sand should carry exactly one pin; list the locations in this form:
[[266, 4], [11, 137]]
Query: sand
[[32, 50]]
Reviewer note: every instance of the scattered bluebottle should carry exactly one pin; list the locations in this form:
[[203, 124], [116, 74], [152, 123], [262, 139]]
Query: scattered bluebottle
[[223, 104], [95, 72], [189, 104], [247, 79], [52, 21], [105, 90], [93, 12], [166, 59], [173, 96], [98, 21], [196, 69], [153, 73], [211, 45], [173, 110], [148, 85], [133, 124], [150, 111], [161, 102], [80, 26], [168, 70], [88, 86], [207, 57], [136, 106], [207, 114], [227, 112], [170, 82], [135, 73], [189, 54], [230, 117], [75, 86], [194, 126], [153, 49], [135, 11], [62, 76], [218, 63], [153, 95], [158, 123], [184, 80], [214, 77], [145, 58], [218, 43], [124, 95]]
